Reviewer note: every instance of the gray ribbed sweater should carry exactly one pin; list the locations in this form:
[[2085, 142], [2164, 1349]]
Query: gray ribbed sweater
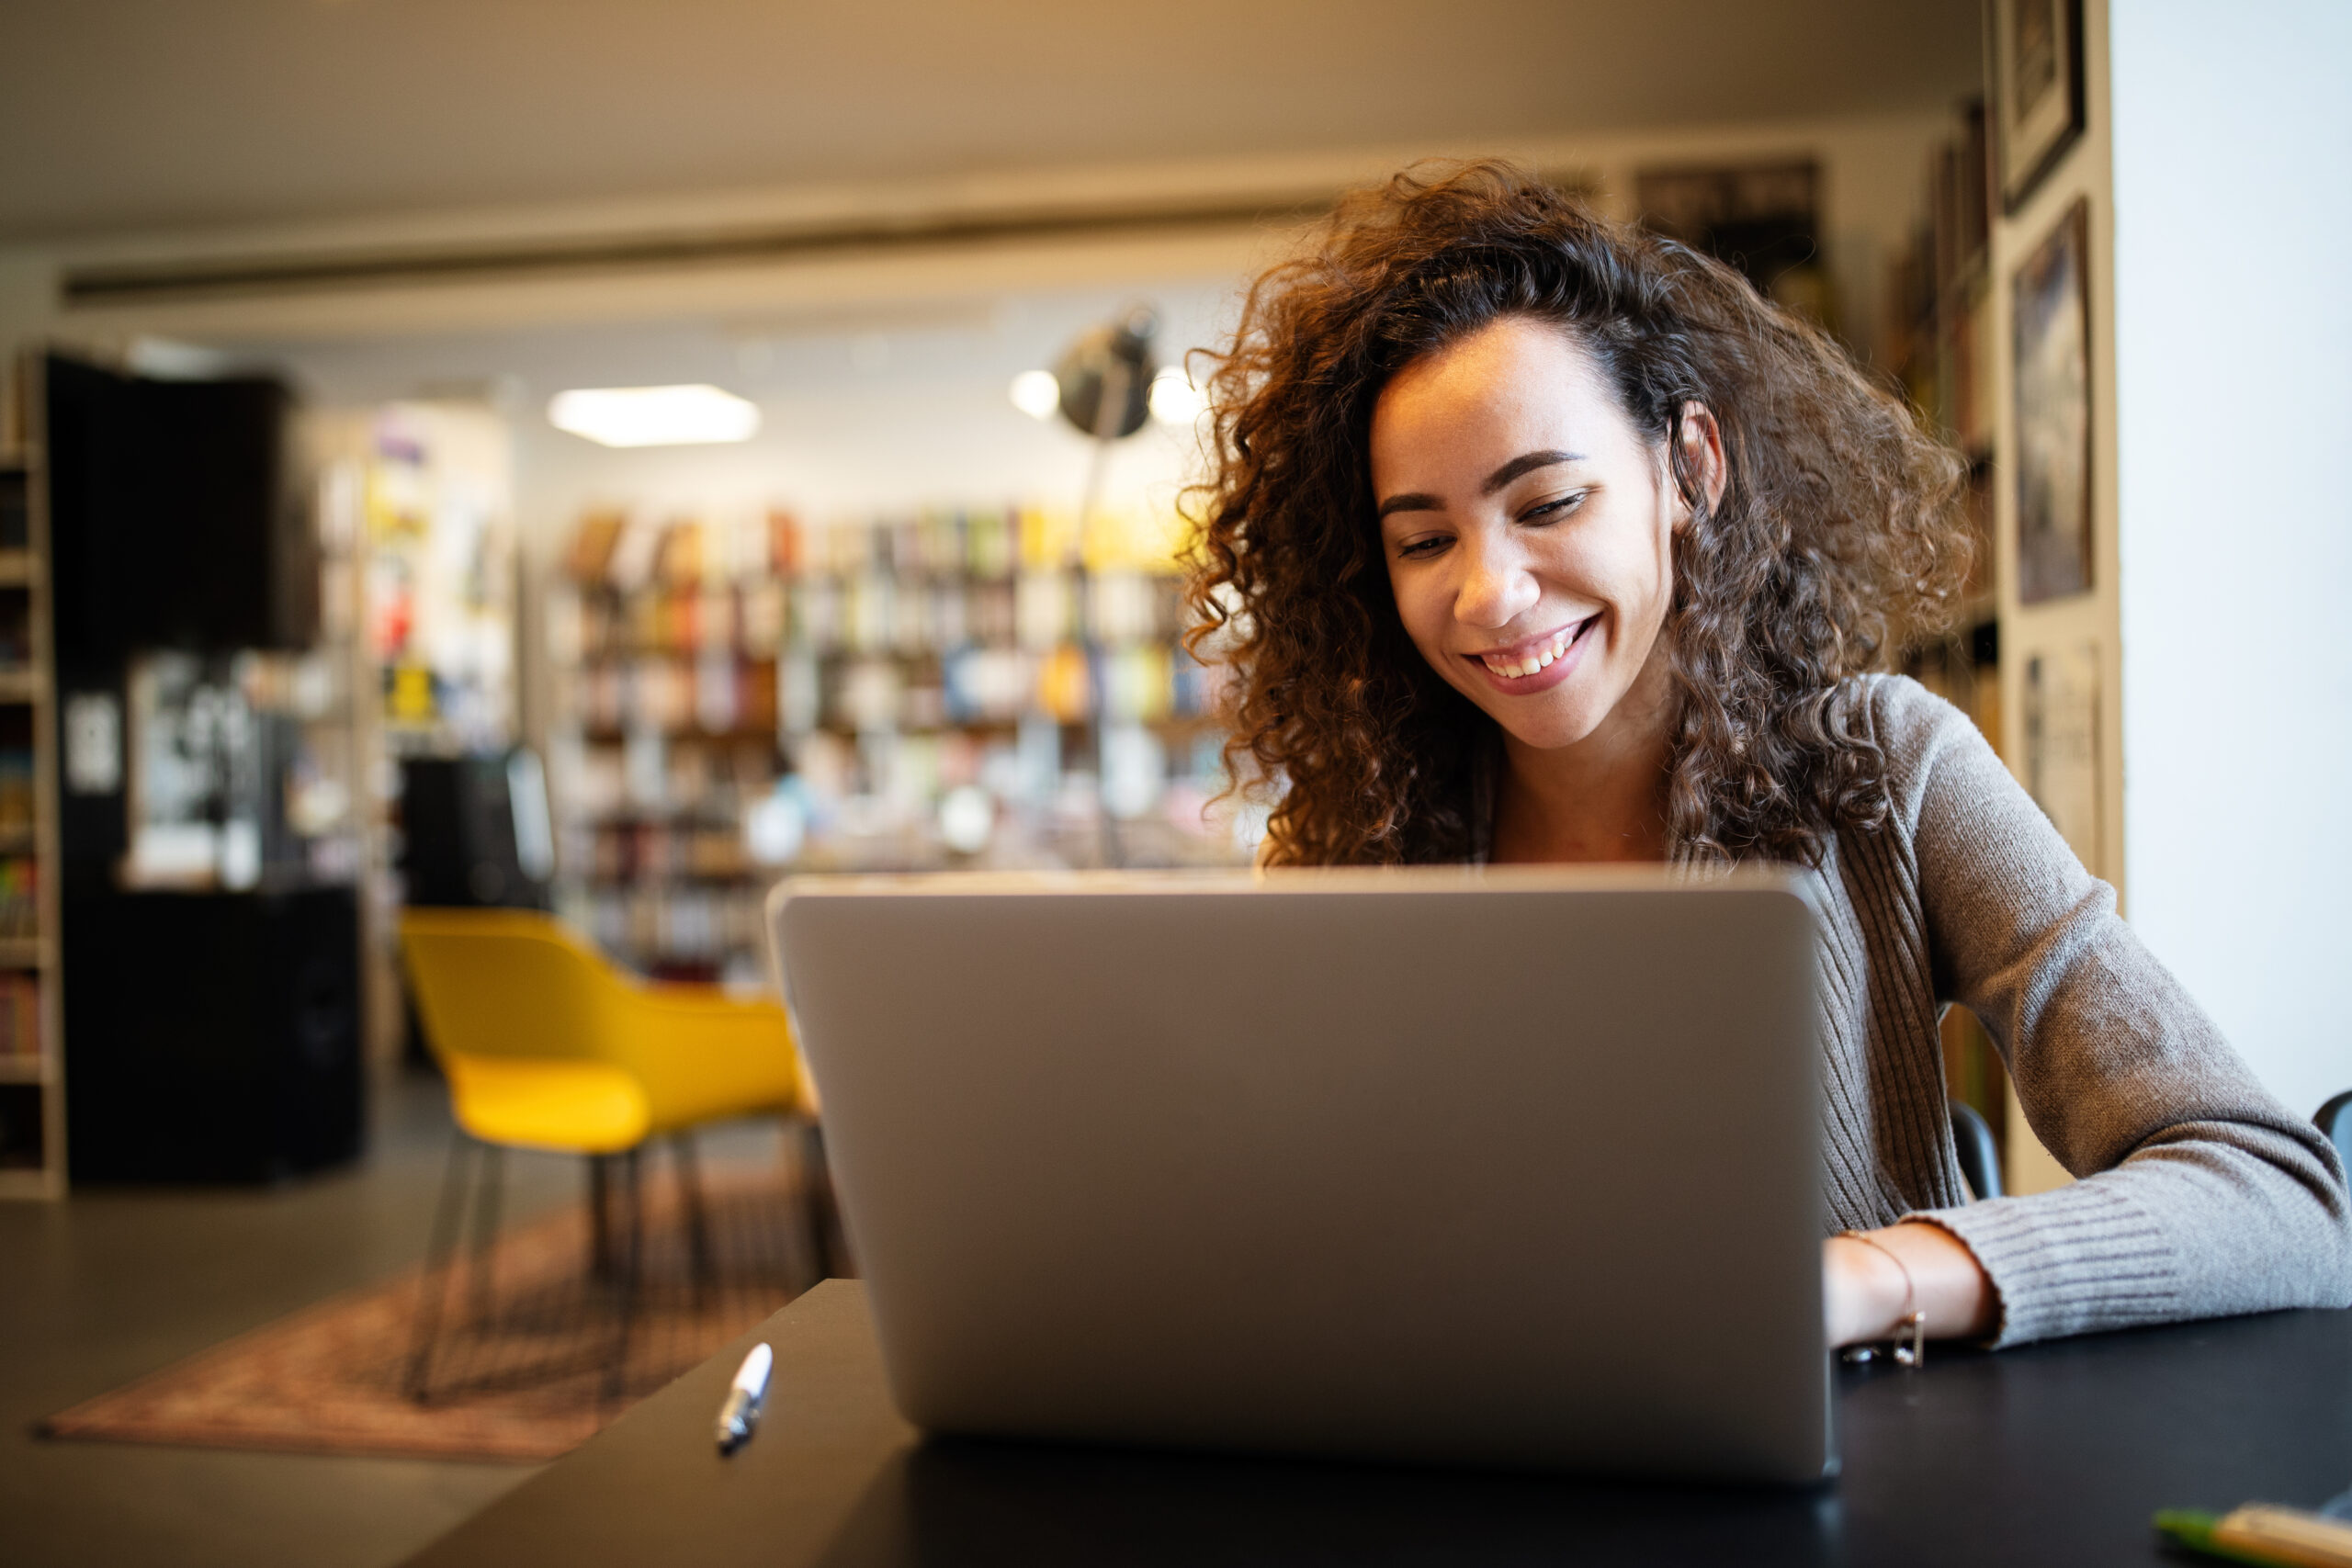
[[2199, 1193]]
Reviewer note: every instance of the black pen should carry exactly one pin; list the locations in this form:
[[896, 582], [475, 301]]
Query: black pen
[[740, 1416]]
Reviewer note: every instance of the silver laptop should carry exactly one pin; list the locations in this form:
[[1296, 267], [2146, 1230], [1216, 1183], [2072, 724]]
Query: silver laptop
[[1513, 1168]]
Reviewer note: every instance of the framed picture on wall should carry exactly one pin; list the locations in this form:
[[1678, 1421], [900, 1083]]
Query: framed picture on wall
[[2037, 89], [2050, 320], [2061, 772]]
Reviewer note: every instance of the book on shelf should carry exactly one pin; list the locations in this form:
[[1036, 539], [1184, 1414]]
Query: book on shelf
[[19, 1015], [15, 792], [19, 896]]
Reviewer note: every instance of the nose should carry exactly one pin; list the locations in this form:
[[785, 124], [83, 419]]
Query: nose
[[1495, 587]]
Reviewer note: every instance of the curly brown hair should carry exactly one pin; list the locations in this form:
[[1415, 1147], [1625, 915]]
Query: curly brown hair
[[1838, 531]]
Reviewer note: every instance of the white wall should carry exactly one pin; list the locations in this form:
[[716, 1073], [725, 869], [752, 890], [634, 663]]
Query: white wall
[[2233, 160], [892, 407]]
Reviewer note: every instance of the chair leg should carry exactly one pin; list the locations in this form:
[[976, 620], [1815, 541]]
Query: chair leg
[[817, 1200], [433, 1286], [703, 1270], [632, 1258], [600, 1217], [487, 1197]]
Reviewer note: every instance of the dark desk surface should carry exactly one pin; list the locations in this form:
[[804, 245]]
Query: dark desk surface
[[2052, 1454]]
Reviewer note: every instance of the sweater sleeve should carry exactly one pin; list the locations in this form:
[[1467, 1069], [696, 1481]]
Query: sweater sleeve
[[2198, 1194]]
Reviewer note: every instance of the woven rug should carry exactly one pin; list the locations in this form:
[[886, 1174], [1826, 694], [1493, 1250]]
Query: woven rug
[[520, 1369]]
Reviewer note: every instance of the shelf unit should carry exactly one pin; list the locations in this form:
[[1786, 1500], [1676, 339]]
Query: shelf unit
[[32, 1083], [416, 518], [1944, 355], [846, 682]]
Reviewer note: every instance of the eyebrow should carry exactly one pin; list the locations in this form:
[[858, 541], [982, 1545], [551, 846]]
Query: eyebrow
[[1525, 463]]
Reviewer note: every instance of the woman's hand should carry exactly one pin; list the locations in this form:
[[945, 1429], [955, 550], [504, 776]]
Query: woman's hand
[[1862, 1291]]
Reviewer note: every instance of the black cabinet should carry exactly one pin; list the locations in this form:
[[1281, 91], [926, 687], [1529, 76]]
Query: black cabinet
[[214, 1035], [179, 518], [209, 1036]]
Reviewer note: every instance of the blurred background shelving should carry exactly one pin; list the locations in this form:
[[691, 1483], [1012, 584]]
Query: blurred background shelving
[[991, 686], [415, 509], [1942, 351], [32, 1079]]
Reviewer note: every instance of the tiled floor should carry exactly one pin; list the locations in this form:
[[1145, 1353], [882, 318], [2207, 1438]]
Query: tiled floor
[[113, 1283]]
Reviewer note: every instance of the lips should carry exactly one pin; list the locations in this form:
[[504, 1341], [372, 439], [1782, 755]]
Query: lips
[[1540, 662]]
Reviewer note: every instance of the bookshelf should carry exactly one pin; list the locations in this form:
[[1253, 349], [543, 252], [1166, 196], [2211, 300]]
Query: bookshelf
[[32, 1084], [1943, 353], [740, 701], [416, 520]]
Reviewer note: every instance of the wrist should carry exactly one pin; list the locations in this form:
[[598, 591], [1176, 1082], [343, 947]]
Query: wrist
[[1867, 1290], [1871, 1282]]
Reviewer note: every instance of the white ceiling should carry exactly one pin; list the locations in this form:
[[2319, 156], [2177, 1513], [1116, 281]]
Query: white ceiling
[[120, 115]]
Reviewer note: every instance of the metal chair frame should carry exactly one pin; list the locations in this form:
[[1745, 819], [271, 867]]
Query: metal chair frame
[[1980, 1155], [615, 1248], [2335, 1120]]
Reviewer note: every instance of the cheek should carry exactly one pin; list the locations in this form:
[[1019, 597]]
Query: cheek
[[1657, 574], [1629, 567]]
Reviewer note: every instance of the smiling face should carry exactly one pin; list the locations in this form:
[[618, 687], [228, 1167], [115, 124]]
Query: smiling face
[[1528, 528]]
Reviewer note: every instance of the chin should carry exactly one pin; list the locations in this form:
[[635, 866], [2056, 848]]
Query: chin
[[1544, 725]]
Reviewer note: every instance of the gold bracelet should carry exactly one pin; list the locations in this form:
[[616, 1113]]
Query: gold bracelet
[[1910, 1320]]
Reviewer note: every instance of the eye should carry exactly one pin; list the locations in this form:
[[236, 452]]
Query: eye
[[1554, 510], [1424, 547]]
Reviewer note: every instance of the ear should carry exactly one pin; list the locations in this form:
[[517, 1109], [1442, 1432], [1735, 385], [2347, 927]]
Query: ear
[[1701, 441]]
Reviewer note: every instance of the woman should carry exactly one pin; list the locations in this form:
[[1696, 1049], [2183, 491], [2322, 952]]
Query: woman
[[1535, 538]]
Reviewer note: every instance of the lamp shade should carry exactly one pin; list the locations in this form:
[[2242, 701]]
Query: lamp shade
[[1105, 377]]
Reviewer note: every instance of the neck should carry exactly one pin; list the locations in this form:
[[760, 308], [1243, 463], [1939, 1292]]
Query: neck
[[1601, 799]]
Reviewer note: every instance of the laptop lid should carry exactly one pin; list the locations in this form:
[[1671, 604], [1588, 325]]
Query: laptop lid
[[1508, 1167]]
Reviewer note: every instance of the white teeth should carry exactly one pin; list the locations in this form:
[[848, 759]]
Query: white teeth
[[1541, 658]]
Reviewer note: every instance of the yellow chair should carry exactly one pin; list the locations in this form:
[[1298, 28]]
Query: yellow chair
[[547, 1046]]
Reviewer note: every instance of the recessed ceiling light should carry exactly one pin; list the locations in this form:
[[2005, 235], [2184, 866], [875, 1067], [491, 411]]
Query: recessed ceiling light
[[1036, 394], [654, 416]]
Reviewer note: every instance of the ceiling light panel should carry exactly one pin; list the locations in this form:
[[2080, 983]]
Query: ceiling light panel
[[695, 415]]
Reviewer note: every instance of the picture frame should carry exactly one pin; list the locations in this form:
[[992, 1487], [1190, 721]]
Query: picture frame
[[2037, 53], [2050, 394], [2061, 746]]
